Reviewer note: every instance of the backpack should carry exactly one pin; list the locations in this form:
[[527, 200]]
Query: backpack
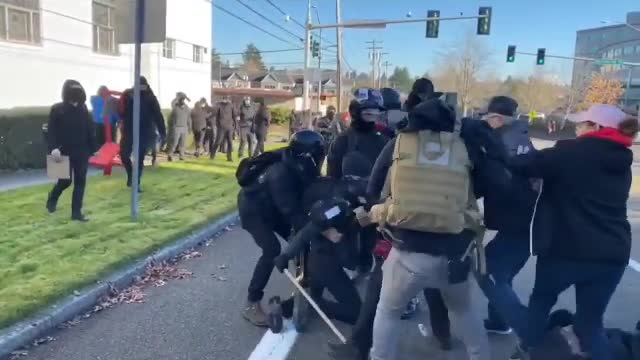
[[250, 169], [430, 183]]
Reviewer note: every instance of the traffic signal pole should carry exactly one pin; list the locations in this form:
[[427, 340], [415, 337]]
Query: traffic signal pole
[[574, 58]]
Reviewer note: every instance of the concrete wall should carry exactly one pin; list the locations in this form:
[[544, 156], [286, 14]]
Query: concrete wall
[[32, 74]]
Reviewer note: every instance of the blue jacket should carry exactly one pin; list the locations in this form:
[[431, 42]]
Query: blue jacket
[[97, 106]]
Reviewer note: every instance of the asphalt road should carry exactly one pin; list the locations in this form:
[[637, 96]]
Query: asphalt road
[[199, 317]]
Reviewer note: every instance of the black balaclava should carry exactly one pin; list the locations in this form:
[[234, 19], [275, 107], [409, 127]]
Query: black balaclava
[[356, 120], [73, 92]]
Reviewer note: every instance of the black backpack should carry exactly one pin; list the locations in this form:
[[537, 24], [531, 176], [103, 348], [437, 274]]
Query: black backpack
[[250, 169]]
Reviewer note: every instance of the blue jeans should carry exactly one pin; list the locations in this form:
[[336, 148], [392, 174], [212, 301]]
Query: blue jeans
[[506, 255], [595, 283]]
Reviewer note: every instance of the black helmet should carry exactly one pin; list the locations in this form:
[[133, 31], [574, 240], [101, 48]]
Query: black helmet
[[391, 99], [307, 148], [368, 98], [331, 213]]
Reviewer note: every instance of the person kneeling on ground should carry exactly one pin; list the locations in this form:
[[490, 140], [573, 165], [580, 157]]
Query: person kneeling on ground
[[270, 203], [328, 221]]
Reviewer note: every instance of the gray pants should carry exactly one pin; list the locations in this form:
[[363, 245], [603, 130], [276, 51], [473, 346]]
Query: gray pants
[[179, 140], [405, 274], [246, 138]]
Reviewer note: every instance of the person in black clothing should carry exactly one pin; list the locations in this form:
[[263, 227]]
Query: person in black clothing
[[362, 143], [151, 119], [71, 132], [329, 219], [226, 121], [272, 205], [580, 230]]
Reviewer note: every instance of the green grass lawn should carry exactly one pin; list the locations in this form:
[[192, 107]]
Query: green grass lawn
[[45, 257]]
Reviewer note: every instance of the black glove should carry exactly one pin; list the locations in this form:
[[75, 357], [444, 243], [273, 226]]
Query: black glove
[[281, 262]]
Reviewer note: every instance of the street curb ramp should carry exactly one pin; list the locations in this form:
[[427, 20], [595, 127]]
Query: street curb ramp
[[27, 331]]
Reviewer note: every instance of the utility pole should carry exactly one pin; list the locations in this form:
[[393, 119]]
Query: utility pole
[[374, 55], [319, 63], [379, 68], [307, 60], [386, 72], [339, 52]]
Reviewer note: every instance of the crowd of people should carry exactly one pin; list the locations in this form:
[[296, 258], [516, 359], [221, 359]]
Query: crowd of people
[[399, 204], [78, 133]]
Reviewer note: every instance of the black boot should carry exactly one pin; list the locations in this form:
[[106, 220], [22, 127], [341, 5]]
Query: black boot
[[51, 204]]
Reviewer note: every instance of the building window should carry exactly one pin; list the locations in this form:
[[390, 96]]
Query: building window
[[269, 86], [637, 49], [169, 49], [628, 50], [104, 35], [20, 21], [198, 54], [617, 52]]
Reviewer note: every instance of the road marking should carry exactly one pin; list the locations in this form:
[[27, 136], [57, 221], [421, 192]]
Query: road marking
[[276, 346], [634, 265]]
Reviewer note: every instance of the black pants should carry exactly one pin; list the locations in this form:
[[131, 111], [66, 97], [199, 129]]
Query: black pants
[[263, 232], [198, 139], [326, 272], [367, 241], [224, 137], [261, 137], [101, 136], [246, 138], [126, 150], [79, 166], [208, 139], [362, 334]]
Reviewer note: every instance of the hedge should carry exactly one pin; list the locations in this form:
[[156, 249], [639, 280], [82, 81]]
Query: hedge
[[22, 143], [280, 115]]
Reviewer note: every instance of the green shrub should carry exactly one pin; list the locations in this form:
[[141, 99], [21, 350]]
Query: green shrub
[[280, 115], [22, 143]]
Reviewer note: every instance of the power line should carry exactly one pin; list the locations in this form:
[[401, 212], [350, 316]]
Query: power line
[[269, 20], [265, 51], [285, 14], [294, 20], [252, 24]]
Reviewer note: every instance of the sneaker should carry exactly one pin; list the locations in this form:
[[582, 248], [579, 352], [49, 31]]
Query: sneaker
[[80, 218], [254, 314], [274, 315], [412, 308], [497, 329], [340, 351]]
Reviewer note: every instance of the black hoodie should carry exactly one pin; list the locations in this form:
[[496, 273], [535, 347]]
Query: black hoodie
[[71, 128], [361, 137], [581, 214], [487, 173]]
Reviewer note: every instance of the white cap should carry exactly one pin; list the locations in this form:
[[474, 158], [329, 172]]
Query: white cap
[[604, 115]]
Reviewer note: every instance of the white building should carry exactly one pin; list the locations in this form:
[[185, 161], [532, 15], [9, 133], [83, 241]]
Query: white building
[[45, 42]]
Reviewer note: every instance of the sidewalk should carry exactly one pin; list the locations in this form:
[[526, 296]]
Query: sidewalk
[[25, 178]]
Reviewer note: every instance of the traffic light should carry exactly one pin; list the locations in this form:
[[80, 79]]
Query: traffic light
[[433, 26], [484, 23], [540, 58], [511, 53], [315, 48]]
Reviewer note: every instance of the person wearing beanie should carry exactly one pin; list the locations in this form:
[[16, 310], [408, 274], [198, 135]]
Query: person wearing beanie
[[580, 231]]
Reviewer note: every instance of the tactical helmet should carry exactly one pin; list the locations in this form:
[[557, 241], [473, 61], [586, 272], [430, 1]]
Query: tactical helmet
[[307, 147], [331, 213], [391, 99]]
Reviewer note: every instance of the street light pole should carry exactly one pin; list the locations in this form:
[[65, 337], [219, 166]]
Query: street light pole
[[307, 58], [339, 53], [319, 61]]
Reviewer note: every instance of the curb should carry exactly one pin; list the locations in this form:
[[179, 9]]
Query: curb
[[27, 331]]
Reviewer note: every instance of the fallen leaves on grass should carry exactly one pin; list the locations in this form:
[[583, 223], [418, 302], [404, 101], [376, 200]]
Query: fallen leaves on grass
[[18, 354]]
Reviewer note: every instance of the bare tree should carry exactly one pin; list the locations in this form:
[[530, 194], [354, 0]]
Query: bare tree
[[461, 64]]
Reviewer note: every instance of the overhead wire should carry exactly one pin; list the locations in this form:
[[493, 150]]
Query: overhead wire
[[275, 6], [270, 21], [253, 25]]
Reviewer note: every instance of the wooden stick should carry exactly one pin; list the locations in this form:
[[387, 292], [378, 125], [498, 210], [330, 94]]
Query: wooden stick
[[315, 306]]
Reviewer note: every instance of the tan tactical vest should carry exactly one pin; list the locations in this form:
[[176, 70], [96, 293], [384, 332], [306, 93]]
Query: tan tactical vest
[[430, 185]]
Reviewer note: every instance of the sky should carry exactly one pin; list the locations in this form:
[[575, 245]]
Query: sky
[[527, 24]]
